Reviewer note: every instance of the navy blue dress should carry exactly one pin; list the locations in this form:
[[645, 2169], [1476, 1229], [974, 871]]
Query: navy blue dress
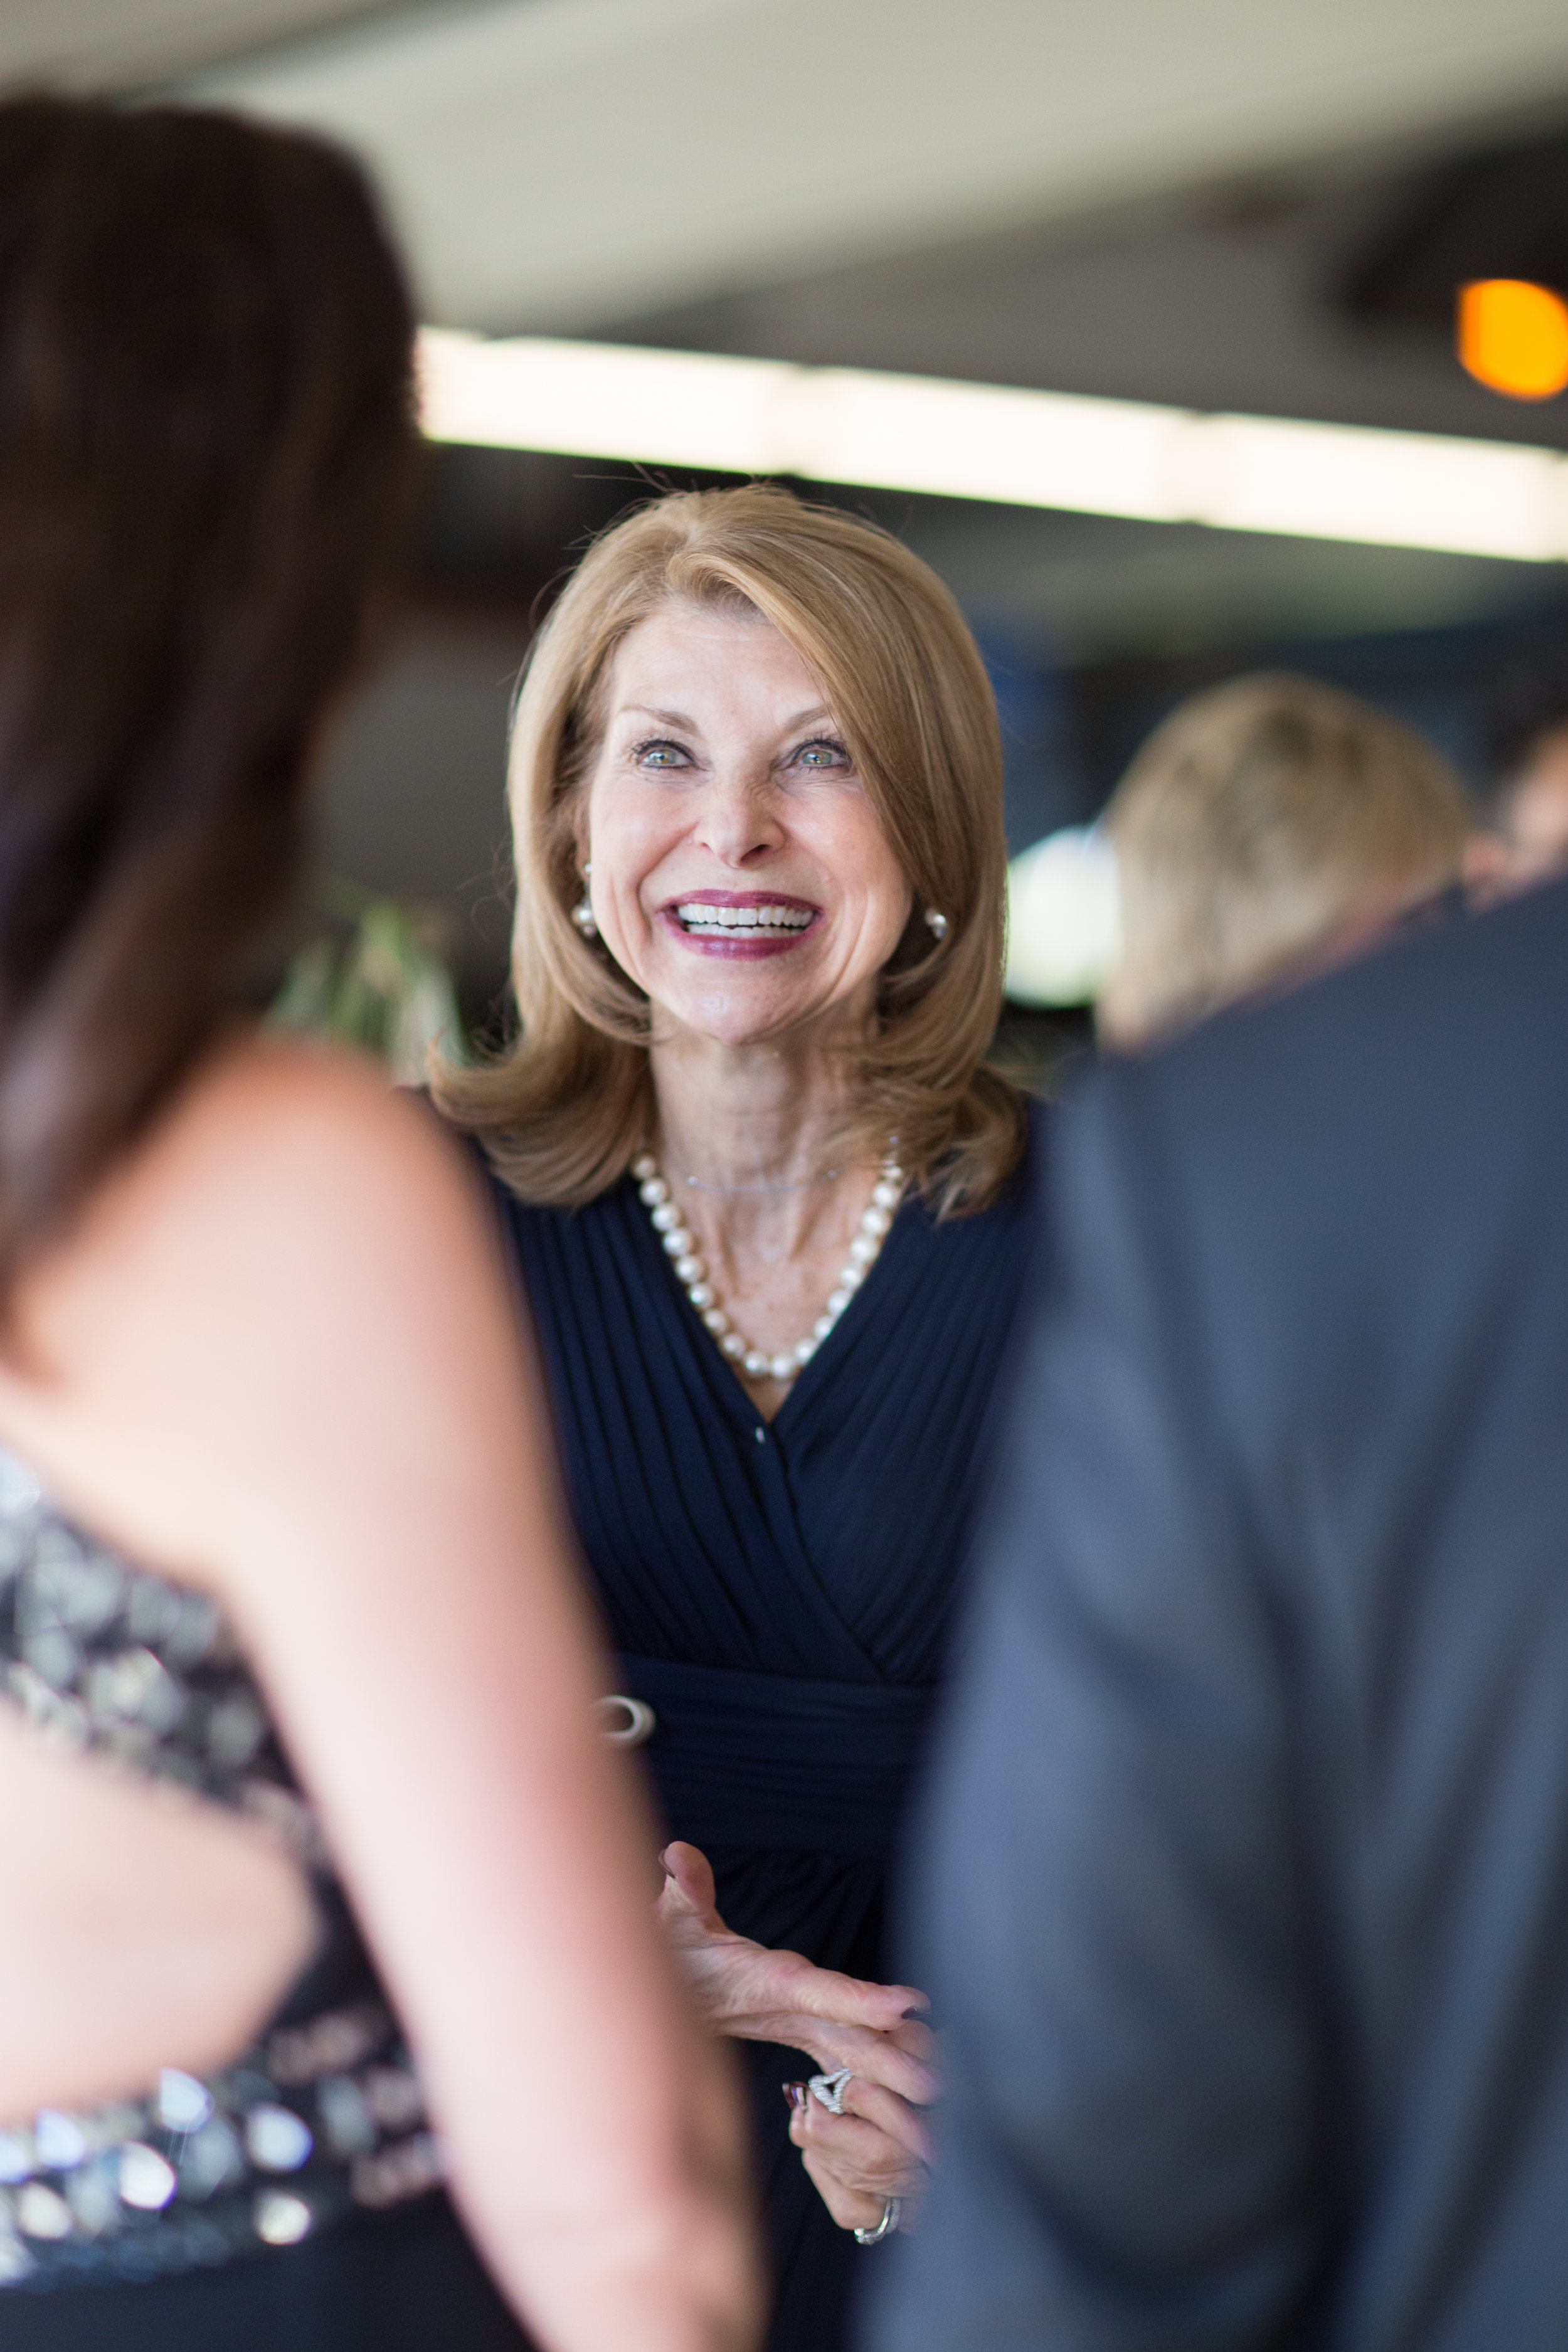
[[781, 1594]]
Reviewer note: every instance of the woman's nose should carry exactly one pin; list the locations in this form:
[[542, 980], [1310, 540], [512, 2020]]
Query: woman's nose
[[739, 820]]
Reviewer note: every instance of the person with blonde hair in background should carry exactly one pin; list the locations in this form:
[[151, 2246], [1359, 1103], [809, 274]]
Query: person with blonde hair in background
[[1521, 839], [1268, 827], [767, 1211]]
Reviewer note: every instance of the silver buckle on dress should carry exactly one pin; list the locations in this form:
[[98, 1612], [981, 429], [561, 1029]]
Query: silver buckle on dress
[[624, 1722]]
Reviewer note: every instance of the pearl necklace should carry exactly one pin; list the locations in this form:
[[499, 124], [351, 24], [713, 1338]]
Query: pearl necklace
[[693, 1274]]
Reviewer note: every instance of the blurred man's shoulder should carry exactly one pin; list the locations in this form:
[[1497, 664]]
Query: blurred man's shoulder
[[1456, 1014]]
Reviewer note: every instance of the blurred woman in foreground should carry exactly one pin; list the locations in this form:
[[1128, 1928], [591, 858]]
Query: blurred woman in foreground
[[275, 1493], [1268, 827]]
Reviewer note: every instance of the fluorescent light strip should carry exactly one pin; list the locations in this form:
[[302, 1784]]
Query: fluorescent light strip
[[981, 441]]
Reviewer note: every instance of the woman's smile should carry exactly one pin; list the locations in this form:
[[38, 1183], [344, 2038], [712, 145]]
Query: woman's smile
[[740, 875], [738, 924]]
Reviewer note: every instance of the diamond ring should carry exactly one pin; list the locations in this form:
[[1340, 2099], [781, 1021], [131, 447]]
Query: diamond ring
[[830, 2089]]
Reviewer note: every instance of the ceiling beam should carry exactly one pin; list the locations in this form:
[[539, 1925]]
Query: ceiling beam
[[115, 46], [556, 164]]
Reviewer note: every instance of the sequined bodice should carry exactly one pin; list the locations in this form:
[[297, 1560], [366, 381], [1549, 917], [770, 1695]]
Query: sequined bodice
[[324, 2114]]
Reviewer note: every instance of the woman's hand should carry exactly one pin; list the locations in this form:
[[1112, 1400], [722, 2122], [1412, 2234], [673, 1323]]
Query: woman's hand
[[877, 2149], [745, 1989]]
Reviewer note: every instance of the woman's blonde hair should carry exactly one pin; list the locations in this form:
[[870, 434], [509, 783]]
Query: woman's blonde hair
[[565, 1109], [1261, 818]]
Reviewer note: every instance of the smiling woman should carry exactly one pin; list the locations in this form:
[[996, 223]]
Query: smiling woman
[[755, 777], [855, 627], [768, 1215]]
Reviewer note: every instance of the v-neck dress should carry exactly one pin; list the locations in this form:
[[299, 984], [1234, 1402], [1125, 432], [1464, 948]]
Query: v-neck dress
[[780, 1594]]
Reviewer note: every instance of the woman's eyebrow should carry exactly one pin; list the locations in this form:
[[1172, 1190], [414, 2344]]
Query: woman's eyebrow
[[665, 717], [810, 718]]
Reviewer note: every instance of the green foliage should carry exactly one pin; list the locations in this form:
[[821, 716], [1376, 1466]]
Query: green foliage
[[376, 980]]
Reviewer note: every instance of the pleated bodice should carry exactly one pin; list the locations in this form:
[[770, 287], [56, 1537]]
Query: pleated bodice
[[780, 1594]]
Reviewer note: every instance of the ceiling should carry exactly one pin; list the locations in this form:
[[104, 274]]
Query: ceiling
[[1157, 199], [554, 163], [1214, 297], [1218, 297], [128, 43], [1140, 199]]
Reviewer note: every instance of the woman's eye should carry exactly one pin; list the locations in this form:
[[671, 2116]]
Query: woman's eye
[[660, 755], [823, 752]]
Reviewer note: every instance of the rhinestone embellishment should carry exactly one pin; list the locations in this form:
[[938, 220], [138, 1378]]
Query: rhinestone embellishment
[[322, 2116], [190, 2176]]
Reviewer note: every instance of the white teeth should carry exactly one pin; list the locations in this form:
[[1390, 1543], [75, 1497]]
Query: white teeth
[[697, 915]]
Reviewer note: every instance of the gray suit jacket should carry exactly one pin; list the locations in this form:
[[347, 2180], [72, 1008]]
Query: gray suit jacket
[[1243, 1888]]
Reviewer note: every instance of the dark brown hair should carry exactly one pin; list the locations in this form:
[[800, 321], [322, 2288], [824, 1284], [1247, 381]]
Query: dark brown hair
[[206, 436]]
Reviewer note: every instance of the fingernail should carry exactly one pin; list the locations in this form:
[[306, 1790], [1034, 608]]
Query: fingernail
[[795, 2094]]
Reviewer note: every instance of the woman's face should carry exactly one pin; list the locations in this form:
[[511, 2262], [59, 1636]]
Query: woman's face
[[741, 875]]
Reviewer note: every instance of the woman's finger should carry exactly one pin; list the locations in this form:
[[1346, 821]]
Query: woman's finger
[[915, 2036], [851, 2001], [861, 2155], [745, 1989], [688, 1882], [891, 2116], [862, 2159], [851, 2209], [874, 2057]]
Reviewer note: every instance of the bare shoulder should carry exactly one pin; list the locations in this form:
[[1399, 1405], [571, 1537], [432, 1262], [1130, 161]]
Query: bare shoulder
[[291, 1230], [293, 1126], [277, 1155]]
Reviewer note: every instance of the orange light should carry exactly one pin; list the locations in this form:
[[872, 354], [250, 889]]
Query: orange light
[[1514, 337]]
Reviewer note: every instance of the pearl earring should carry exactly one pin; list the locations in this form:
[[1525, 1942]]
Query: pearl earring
[[582, 913], [938, 922]]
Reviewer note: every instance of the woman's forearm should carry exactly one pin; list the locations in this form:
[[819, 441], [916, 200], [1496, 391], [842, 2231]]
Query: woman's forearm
[[654, 2259]]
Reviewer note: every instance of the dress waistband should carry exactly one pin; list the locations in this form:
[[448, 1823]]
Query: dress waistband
[[767, 1760]]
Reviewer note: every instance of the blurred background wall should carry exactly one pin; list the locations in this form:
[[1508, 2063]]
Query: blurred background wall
[[1254, 205]]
